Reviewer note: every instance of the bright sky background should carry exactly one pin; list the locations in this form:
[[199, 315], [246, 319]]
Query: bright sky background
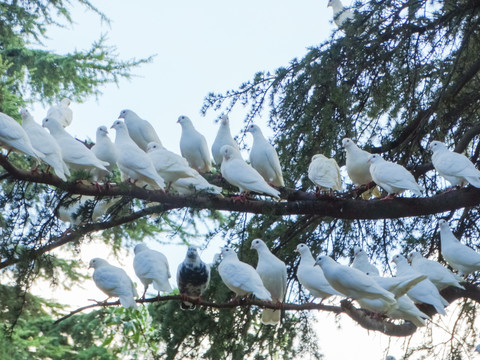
[[201, 47]]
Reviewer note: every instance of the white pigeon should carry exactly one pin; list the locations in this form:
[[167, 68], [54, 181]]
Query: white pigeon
[[151, 267], [193, 277], [407, 310], [61, 112], [75, 154], [459, 256], [105, 150], [357, 165], [398, 286], [438, 274], [273, 273], [193, 146], [351, 282], [477, 348], [454, 167], [45, 143], [264, 158], [325, 173], [14, 137], [133, 162], [224, 137], [393, 178], [192, 185], [362, 263], [169, 165], [241, 277], [340, 13], [311, 276], [425, 291], [238, 173], [102, 206], [114, 282], [140, 130]]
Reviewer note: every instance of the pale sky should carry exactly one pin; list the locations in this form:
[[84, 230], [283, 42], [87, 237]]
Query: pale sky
[[201, 47]]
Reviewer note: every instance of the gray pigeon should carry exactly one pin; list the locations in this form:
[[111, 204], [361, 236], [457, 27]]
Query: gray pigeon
[[140, 130], [193, 146], [151, 267], [114, 282], [264, 158], [224, 137], [193, 277]]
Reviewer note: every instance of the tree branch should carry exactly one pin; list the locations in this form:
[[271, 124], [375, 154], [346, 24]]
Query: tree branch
[[297, 202]]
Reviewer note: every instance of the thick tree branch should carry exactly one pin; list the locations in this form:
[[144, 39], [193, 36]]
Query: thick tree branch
[[76, 234], [297, 202]]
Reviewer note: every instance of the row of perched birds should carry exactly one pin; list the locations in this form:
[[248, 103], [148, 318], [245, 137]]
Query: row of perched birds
[[419, 282], [141, 158]]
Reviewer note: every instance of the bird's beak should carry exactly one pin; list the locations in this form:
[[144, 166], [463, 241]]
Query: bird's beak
[[111, 127], [295, 250]]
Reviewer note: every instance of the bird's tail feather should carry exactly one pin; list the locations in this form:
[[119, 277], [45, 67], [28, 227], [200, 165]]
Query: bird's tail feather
[[128, 302], [162, 285], [271, 317]]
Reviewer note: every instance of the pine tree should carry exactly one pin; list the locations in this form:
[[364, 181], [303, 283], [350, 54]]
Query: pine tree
[[395, 77]]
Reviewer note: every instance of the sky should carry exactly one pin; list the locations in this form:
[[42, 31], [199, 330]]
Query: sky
[[200, 47]]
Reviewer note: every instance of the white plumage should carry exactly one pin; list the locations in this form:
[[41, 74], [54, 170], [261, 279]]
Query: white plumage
[[362, 263], [61, 112], [224, 137], [324, 173], [140, 130], [169, 165], [425, 291], [133, 162], [194, 184], [454, 167], [151, 267], [311, 276], [75, 154], [352, 282], [273, 273], [193, 146], [114, 282], [357, 165], [439, 275], [13, 137], [105, 150], [340, 14], [264, 158], [238, 173], [393, 178], [241, 277], [45, 143], [459, 256]]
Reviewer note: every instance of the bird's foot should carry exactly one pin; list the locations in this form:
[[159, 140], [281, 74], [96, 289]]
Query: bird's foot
[[389, 197], [240, 198]]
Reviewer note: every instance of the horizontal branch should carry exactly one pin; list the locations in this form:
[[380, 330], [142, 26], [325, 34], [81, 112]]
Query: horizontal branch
[[294, 202], [363, 317]]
